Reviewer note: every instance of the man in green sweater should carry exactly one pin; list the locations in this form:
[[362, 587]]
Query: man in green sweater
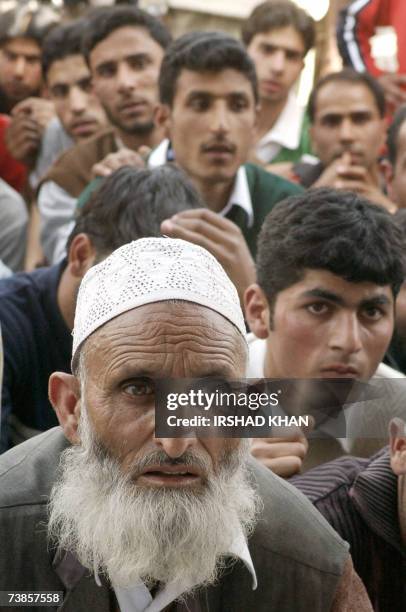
[[209, 108]]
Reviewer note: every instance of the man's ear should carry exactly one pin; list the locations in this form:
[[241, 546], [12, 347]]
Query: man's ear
[[64, 395], [81, 255], [162, 118], [257, 311], [397, 441]]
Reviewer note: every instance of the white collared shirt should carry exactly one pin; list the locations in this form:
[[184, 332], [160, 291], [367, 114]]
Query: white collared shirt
[[286, 131], [138, 598], [240, 195]]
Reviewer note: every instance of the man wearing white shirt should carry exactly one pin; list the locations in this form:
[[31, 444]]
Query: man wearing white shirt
[[329, 267], [209, 109], [278, 34]]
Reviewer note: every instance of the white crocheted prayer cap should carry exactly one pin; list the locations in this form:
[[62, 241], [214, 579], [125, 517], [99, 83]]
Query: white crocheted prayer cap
[[153, 270]]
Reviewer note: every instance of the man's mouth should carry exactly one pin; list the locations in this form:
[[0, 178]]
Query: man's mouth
[[86, 127], [170, 476], [271, 86], [131, 107], [219, 150], [338, 370]]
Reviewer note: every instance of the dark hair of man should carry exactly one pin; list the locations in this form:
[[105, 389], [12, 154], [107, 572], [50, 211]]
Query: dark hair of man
[[203, 52], [331, 230], [132, 203], [354, 78], [276, 14], [393, 133], [61, 42], [103, 22], [23, 22]]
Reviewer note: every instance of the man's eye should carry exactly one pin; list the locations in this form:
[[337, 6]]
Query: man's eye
[[108, 70], [331, 122], [138, 63], [199, 104], [139, 388], [238, 105], [373, 313], [60, 91], [318, 308]]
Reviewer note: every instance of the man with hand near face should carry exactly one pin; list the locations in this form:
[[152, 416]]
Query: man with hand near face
[[123, 48], [329, 267], [348, 131], [22, 31], [209, 107], [155, 521]]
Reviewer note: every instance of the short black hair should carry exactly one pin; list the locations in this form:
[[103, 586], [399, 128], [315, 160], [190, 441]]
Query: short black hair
[[132, 203], [332, 230], [347, 75], [203, 52], [105, 21], [275, 14], [393, 133], [61, 42]]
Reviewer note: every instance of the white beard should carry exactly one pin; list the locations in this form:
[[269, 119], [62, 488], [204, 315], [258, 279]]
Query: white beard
[[130, 532]]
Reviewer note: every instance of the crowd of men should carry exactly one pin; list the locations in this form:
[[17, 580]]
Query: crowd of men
[[169, 210]]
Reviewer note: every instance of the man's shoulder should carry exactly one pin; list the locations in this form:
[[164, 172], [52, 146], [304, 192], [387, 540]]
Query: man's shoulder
[[262, 182], [330, 479], [20, 290], [27, 471], [72, 170], [290, 527]]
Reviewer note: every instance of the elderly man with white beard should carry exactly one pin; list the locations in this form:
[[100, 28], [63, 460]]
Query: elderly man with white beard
[[117, 519]]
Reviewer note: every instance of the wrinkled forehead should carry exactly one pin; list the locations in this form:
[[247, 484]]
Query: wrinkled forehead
[[166, 339]]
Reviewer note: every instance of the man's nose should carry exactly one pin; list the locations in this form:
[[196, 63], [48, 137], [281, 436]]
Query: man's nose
[[77, 100], [126, 77], [220, 118], [19, 67], [278, 61], [346, 130], [346, 334], [175, 447]]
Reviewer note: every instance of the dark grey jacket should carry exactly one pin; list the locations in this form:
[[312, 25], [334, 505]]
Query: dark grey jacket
[[298, 557]]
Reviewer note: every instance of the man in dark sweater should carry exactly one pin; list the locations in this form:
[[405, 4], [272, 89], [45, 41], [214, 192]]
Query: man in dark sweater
[[37, 308], [365, 501]]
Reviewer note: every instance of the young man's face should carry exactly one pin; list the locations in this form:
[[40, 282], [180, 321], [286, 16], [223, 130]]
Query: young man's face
[[125, 69], [69, 86], [397, 179], [278, 57], [20, 68], [324, 327], [347, 119], [211, 123]]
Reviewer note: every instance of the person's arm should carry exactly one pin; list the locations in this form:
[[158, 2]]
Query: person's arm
[[57, 211], [351, 595], [355, 28]]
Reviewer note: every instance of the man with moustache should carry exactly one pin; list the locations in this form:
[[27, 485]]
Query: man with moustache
[[123, 47], [209, 108], [329, 267], [348, 130], [152, 519]]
